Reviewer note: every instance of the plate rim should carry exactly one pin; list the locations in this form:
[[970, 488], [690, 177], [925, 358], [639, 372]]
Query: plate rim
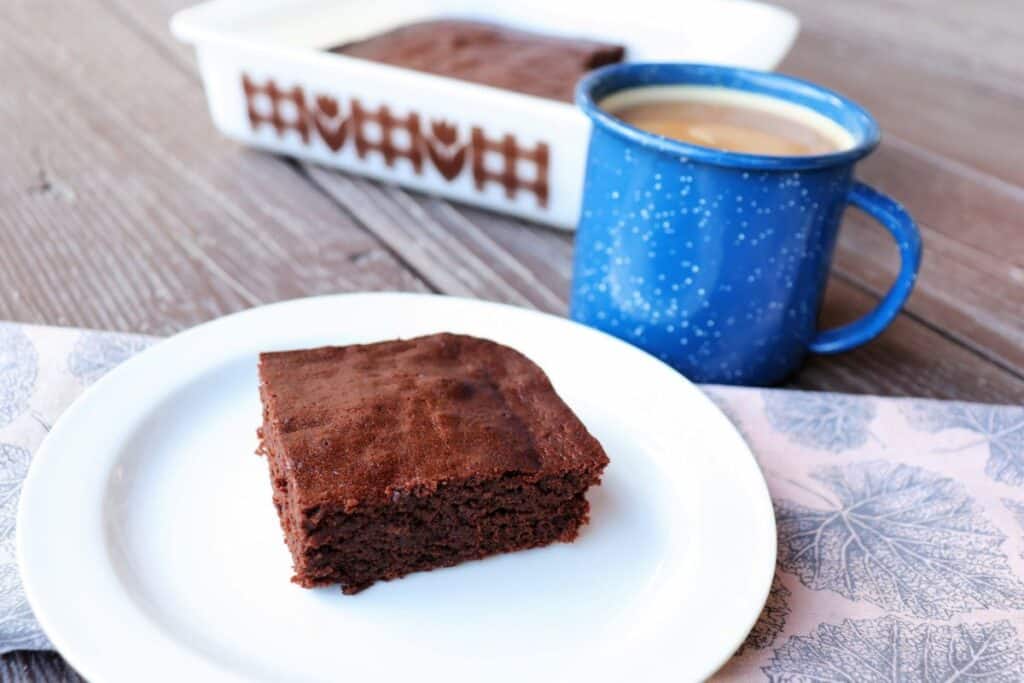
[[98, 667]]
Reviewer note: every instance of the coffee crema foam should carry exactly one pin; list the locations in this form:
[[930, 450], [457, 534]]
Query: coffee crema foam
[[728, 119]]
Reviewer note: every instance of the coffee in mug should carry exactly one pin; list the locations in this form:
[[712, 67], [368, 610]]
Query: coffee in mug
[[715, 260], [727, 119]]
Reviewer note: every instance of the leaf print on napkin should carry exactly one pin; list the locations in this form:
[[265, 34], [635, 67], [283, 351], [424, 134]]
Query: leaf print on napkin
[[19, 365], [18, 627], [1000, 427], [900, 537], [96, 353], [1016, 508], [889, 649], [14, 462], [772, 620], [828, 422]]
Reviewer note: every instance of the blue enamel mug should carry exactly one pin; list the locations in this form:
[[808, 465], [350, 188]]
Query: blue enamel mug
[[715, 261]]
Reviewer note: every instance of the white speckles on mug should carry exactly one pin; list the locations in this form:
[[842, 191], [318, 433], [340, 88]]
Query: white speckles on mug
[[716, 266]]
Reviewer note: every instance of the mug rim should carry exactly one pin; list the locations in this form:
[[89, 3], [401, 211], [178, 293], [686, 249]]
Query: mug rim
[[770, 84]]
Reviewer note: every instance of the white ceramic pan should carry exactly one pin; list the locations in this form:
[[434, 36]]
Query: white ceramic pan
[[271, 84]]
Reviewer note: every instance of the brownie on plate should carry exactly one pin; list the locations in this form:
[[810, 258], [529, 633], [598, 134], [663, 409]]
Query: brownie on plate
[[532, 63], [402, 456]]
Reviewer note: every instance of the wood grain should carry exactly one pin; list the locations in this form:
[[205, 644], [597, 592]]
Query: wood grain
[[911, 358], [977, 41], [976, 298], [928, 99], [121, 208], [443, 247]]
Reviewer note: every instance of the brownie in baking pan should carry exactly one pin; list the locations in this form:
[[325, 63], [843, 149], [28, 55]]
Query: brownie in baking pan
[[532, 63]]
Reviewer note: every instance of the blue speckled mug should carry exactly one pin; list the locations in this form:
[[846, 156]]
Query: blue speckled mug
[[716, 262]]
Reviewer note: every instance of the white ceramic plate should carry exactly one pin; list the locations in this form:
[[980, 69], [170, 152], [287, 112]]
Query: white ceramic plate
[[150, 549]]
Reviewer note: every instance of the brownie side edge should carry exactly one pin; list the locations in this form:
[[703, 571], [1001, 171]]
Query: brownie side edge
[[453, 524]]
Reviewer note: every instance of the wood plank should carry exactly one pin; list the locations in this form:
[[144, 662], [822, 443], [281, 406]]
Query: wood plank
[[978, 210], [121, 208], [978, 40], [547, 253], [441, 245], [976, 298], [968, 121], [908, 359]]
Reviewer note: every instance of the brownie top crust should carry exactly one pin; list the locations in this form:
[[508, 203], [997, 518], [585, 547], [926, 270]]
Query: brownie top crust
[[532, 63], [363, 425]]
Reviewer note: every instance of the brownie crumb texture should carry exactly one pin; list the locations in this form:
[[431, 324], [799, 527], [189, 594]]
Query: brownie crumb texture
[[409, 455]]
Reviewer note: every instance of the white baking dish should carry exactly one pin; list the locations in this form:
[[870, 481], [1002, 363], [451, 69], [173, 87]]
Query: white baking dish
[[271, 84]]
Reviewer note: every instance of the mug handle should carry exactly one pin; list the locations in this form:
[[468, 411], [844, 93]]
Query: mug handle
[[901, 226]]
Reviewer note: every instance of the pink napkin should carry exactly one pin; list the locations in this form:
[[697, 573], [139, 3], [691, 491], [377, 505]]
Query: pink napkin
[[901, 521], [901, 538]]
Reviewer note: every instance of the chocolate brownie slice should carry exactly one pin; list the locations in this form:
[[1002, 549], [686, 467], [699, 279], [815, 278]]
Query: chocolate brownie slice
[[531, 63], [402, 456]]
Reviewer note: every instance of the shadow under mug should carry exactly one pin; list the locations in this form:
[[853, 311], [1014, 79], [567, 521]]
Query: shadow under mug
[[716, 262]]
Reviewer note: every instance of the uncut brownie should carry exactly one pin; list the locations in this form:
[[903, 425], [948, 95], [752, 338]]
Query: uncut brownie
[[402, 456], [531, 63]]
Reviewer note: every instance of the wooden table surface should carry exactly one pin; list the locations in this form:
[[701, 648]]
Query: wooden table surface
[[122, 208]]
